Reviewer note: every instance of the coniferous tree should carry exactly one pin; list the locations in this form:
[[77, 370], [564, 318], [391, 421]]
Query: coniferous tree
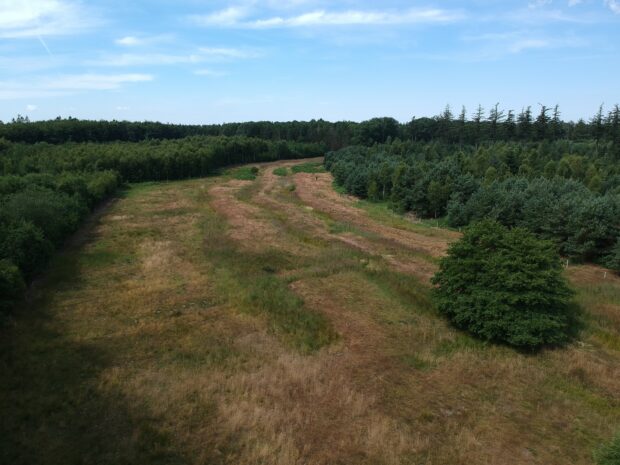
[[510, 127], [477, 120], [505, 285], [542, 123], [524, 123], [495, 118]]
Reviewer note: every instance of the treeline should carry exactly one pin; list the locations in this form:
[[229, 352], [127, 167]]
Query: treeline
[[564, 191], [153, 160], [543, 124], [46, 190]]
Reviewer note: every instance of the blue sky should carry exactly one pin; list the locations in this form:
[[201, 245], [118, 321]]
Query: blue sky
[[196, 61]]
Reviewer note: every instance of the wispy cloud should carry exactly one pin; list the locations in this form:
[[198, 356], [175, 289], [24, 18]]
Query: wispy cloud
[[67, 84], [138, 41], [128, 41], [614, 5], [137, 59], [210, 73], [39, 18], [240, 18], [511, 42], [200, 55], [223, 52]]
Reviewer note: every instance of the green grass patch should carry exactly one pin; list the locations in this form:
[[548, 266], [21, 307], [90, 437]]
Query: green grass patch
[[338, 188], [310, 167], [405, 288], [381, 211], [244, 173], [609, 453], [249, 281], [281, 171]]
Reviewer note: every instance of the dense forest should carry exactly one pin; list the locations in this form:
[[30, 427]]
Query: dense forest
[[494, 125], [559, 179], [565, 191]]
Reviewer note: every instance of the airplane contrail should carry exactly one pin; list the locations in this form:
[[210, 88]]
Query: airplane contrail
[[47, 49]]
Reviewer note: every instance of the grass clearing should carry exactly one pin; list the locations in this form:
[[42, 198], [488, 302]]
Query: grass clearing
[[250, 283], [171, 333]]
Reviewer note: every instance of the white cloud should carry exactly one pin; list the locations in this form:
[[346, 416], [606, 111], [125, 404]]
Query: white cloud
[[30, 107], [221, 52], [95, 81], [128, 41], [131, 59], [614, 5], [67, 84], [209, 72], [233, 17], [137, 41], [228, 17], [493, 46], [203, 54], [37, 18], [574, 2]]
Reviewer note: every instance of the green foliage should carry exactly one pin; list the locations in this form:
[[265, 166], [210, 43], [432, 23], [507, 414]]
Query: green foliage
[[11, 285], [612, 260], [245, 173], [25, 245], [514, 183], [505, 285], [308, 168], [609, 454], [281, 171]]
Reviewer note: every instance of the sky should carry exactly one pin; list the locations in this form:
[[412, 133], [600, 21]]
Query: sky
[[191, 61]]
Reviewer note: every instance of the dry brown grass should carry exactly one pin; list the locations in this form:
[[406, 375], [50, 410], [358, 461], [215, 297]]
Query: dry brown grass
[[135, 350]]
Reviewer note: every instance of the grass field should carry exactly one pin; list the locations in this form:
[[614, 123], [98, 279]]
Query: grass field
[[263, 318]]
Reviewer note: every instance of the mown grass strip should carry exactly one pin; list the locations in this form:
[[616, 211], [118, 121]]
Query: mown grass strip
[[248, 281], [244, 173], [311, 167], [281, 171]]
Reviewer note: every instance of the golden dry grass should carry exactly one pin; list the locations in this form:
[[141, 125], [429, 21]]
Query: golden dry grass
[[219, 321]]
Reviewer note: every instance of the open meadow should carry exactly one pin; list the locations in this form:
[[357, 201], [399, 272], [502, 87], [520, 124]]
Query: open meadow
[[266, 318]]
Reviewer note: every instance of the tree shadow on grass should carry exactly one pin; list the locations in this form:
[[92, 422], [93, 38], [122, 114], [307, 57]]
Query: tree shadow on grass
[[53, 409], [54, 412]]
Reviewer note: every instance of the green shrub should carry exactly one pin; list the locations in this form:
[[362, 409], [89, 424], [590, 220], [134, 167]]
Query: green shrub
[[609, 454], [12, 285], [25, 245], [245, 173], [308, 168], [281, 171], [612, 260], [505, 285]]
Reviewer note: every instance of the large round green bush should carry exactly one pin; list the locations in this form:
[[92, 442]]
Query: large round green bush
[[505, 285]]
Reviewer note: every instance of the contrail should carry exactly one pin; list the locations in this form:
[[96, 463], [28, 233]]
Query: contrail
[[47, 49]]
